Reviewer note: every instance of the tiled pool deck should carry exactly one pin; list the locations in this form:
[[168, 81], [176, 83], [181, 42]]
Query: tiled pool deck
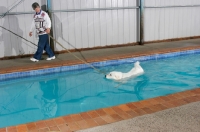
[[106, 115]]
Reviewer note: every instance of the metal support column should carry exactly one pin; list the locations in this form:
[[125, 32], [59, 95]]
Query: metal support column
[[141, 22], [49, 9]]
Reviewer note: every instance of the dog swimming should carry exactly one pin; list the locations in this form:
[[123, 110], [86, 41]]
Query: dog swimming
[[137, 70]]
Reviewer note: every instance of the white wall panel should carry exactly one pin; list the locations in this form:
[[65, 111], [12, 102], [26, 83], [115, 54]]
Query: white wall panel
[[20, 7], [147, 16], [126, 22], [184, 22], [173, 22], [71, 28], [120, 23], [132, 2], [98, 28], [120, 26], [61, 30], [6, 38], [197, 21], [10, 4], [81, 29], [103, 28], [96, 3], [14, 45], [126, 3], [102, 3], [14, 42], [133, 33], [89, 3], [115, 26], [126, 27], [78, 31], [109, 27], [11, 44], [176, 24], [86, 29], [120, 3], [56, 4], [62, 23], [1, 38], [167, 19], [114, 3], [91, 31], [70, 4], [24, 6], [91, 39]]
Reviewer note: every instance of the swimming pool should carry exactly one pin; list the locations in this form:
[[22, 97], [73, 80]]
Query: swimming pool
[[76, 91]]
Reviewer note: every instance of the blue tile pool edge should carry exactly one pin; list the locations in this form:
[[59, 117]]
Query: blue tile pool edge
[[45, 71]]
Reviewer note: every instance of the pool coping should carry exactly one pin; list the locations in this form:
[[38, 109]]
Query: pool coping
[[108, 115], [44, 70], [91, 60]]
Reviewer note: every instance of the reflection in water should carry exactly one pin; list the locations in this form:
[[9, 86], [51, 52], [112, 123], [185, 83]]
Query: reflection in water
[[62, 95], [137, 88], [47, 100]]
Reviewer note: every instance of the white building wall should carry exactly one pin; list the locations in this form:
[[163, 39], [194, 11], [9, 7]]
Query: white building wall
[[88, 29], [171, 22], [11, 45]]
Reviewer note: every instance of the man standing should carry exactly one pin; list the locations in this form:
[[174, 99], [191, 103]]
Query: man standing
[[42, 24]]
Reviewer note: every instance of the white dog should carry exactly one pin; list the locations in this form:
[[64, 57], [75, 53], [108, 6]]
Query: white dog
[[135, 71]]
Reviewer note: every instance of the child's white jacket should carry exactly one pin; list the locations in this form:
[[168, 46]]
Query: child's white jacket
[[41, 22]]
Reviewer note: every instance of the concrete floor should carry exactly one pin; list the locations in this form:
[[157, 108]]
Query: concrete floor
[[185, 118], [105, 53]]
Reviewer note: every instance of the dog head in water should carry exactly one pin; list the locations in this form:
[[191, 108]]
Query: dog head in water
[[114, 75]]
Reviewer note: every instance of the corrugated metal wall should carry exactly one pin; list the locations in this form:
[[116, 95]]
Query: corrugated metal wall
[[171, 22], [11, 45], [93, 23], [86, 29]]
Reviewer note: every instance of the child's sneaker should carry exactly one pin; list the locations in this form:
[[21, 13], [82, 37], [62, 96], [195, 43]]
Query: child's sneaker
[[51, 58], [34, 60]]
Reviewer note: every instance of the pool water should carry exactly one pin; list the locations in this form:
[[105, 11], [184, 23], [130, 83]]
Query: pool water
[[36, 98]]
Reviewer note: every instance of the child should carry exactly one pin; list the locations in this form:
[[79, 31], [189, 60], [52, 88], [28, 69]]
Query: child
[[42, 24]]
